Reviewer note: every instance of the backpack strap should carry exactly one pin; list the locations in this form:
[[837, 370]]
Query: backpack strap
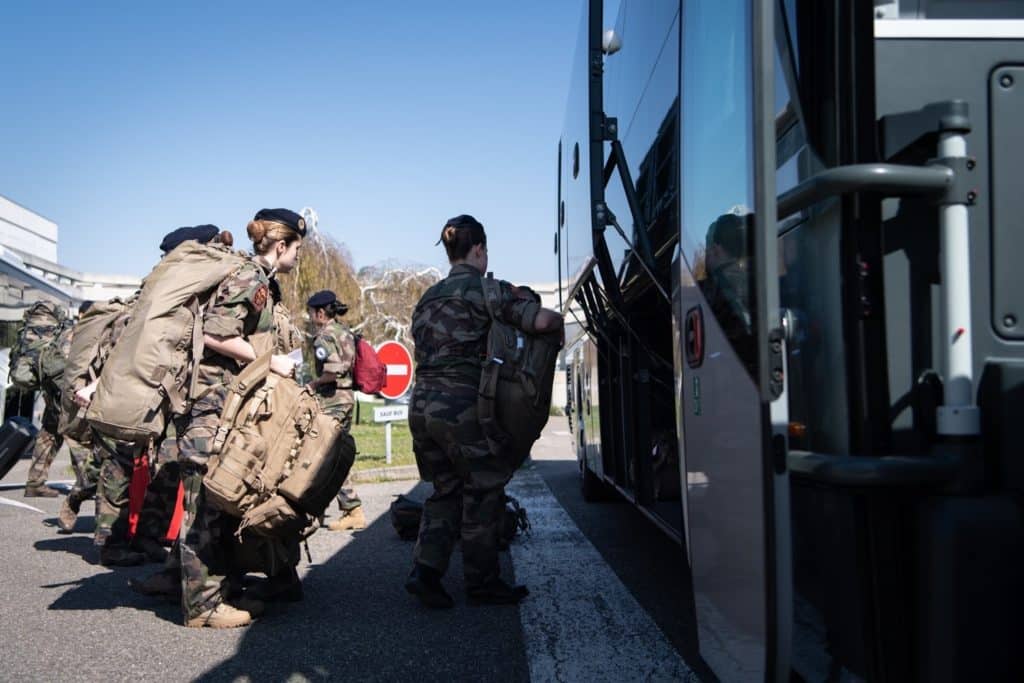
[[243, 384], [487, 394]]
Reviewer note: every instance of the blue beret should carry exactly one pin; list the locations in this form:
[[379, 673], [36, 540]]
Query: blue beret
[[284, 217], [322, 298], [199, 233]]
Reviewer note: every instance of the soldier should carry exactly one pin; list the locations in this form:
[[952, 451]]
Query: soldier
[[334, 350], [449, 328], [161, 497], [238, 311], [82, 460], [48, 440]]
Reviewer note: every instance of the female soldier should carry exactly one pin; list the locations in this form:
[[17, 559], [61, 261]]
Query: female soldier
[[449, 327], [334, 350], [239, 310]]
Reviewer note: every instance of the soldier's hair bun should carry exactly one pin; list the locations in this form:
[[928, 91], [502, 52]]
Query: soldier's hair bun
[[226, 238], [449, 234], [257, 230]]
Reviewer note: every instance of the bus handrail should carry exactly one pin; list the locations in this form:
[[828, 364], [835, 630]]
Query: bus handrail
[[894, 180]]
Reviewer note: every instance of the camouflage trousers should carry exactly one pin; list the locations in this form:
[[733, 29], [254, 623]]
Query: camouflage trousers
[[48, 442], [116, 459], [348, 499], [203, 543], [87, 470], [469, 485], [341, 409]]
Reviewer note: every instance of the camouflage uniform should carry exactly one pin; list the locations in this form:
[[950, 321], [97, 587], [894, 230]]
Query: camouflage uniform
[[48, 442], [449, 327], [87, 470], [240, 308], [162, 492], [115, 460], [334, 351]]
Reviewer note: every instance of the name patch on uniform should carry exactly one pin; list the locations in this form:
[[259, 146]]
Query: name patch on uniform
[[321, 353]]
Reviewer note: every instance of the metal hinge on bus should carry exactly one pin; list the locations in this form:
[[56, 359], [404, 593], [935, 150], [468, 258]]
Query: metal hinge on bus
[[776, 362]]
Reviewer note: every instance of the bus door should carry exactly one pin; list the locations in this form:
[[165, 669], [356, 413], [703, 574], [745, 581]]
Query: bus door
[[730, 373]]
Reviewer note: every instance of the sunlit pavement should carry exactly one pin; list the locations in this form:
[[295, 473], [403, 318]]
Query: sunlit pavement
[[591, 615]]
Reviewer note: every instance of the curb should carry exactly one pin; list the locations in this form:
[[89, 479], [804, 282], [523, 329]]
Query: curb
[[375, 474]]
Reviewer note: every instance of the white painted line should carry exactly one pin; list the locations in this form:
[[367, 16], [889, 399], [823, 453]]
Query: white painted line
[[580, 623], [19, 504], [397, 370]]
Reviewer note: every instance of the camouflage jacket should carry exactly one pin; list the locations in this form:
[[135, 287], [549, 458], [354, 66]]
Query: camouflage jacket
[[450, 325], [334, 351], [241, 307]]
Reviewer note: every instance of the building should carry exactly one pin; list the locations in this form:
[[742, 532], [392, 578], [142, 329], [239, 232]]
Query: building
[[29, 271]]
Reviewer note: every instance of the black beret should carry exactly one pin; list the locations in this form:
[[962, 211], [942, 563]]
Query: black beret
[[321, 299], [285, 217], [199, 233]]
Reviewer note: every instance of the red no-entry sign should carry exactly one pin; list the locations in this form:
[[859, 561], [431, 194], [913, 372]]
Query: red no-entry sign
[[399, 363]]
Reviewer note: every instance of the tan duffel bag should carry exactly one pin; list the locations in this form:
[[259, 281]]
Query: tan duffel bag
[[277, 460]]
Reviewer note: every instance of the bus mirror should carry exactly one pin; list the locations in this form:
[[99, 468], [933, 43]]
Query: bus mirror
[[610, 42]]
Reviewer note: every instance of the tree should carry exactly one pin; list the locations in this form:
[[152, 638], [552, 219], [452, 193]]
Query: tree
[[389, 293]]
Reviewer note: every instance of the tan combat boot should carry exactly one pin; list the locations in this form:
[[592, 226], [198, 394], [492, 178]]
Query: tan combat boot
[[68, 515], [221, 616], [353, 519], [41, 491]]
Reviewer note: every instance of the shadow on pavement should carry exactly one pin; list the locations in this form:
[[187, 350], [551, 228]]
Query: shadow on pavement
[[74, 545], [357, 621]]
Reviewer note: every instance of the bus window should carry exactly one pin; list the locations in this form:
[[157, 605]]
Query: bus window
[[717, 156]]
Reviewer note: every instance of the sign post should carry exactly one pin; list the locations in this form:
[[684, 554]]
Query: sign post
[[399, 378], [387, 415]]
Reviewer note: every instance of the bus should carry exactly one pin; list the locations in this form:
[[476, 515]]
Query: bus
[[786, 237]]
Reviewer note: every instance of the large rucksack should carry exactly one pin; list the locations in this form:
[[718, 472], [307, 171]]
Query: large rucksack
[[515, 386], [84, 361], [148, 374], [40, 326], [368, 372], [278, 460]]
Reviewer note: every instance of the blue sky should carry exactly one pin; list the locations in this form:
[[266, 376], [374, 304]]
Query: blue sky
[[122, 121]]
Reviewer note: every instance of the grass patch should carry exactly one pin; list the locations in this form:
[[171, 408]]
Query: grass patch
[[370, 444]]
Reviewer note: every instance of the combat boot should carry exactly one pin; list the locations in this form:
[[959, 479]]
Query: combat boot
[[496, 592], [354, 519], [41, 491], [425, 583], [152, 549], [285, 587], [221, 616], [68, 514], [244, 603], [120, 556], [164, 584]]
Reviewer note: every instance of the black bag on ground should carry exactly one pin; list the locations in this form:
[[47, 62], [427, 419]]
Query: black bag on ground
[[15, 436], [406, 514]]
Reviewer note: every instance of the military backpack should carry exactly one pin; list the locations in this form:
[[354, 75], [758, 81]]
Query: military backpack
[[42, 323], [148, 374], [514, 401], [278, 460], [84, 361]]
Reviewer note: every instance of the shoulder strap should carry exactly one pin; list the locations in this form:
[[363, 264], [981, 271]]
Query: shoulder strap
[[244, 383], [492, 293]]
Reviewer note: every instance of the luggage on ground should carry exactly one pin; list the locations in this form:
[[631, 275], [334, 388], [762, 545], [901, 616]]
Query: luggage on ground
[[16, 434], [406, 515]]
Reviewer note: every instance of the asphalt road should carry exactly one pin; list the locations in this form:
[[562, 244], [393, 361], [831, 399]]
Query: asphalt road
[[607, 602]]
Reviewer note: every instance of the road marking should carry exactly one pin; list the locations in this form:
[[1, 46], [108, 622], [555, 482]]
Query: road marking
[[19, 504], [580, 623]]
